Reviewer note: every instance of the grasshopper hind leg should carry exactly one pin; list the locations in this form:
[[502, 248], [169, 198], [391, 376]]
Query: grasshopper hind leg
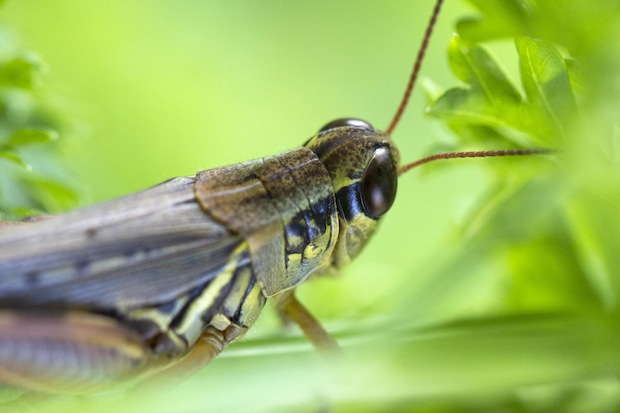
[[67, 352], [210, 344]]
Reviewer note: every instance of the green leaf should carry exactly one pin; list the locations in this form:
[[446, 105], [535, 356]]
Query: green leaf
[[16, 159], [474, 66], [487, 107], [51, 194], [28, 136], [497, 19], [490, 107], [545, 79], [597, 241], [22, 72], [28, 123]]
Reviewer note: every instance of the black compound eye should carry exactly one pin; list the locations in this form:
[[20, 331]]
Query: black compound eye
[[379, 183], [356, 123]]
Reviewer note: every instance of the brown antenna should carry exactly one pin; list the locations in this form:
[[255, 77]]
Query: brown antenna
[[474, 154], [416, 68]]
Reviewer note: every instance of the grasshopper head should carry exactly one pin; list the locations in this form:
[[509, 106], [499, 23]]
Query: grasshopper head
[[363, 166]]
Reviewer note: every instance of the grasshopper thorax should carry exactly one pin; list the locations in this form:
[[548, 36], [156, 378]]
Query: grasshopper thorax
[[363, 166]]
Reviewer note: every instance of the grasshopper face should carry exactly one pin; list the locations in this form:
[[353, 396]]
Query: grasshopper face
[[363, 165]]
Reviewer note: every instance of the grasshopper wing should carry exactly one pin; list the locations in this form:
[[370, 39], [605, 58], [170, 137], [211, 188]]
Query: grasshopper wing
[[142, 250]]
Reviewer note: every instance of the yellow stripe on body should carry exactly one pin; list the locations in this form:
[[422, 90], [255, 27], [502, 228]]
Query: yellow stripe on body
[[192, 325]]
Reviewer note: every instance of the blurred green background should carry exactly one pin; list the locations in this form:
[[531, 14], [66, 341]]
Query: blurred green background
[[152, 90]]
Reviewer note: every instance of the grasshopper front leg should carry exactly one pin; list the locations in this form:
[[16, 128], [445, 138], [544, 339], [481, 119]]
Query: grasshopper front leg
[[294, 310]]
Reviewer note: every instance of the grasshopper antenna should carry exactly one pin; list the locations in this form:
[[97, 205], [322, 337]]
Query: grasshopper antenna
[[474, 154], [416, 68]]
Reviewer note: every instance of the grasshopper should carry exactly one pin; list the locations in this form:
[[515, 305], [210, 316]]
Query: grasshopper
[[164, 279]]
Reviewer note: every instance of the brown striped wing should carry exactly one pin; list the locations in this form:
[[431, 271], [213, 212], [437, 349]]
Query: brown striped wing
[[141, 250]]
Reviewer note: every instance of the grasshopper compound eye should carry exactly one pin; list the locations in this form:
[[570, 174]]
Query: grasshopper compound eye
[[378, 185]]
